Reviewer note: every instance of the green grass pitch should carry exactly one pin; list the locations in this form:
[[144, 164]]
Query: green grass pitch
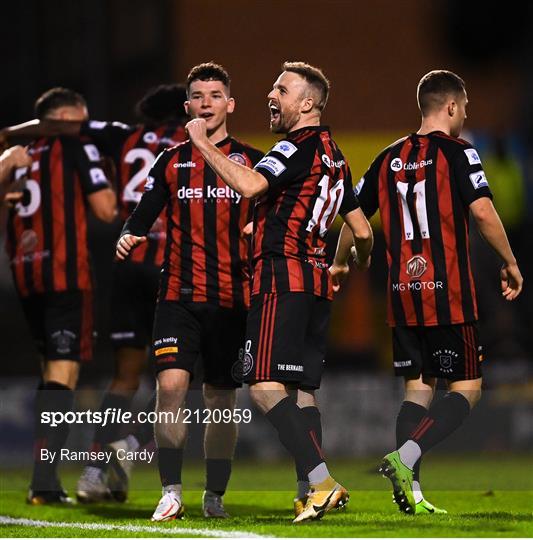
[[485, 497]]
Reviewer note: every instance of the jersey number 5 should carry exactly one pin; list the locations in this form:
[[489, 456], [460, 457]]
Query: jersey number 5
[[419, 191]]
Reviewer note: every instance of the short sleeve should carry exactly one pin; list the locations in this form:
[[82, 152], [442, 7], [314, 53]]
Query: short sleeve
[[285, 163], [109, 136], [367, 190], [89, 167], [469, 175], [349, 199]]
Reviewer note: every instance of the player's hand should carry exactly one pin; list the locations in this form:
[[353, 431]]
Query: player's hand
[[126, 243], [248, 230], [197, 130], [16, 157], [360, 264], [338, 274], [511, 281], [12, 198]]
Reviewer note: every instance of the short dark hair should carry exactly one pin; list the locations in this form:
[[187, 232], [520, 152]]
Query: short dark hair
[[163, 103], [208, 71], [435, 87], [57, 97], [314, 77]]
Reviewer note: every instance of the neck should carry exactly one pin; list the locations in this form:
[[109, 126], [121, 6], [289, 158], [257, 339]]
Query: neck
[[306, 121], [432, 124], [218, 135]]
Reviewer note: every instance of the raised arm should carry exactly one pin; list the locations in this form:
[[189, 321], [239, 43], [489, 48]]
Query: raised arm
[[247, 182]]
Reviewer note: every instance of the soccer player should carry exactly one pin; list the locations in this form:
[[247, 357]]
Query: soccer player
[[301, 185], [47, 247], [204, 288], [135, 281], [426, 185]]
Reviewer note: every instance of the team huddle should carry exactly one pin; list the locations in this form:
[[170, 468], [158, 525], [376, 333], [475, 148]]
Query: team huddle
[[222, 260]]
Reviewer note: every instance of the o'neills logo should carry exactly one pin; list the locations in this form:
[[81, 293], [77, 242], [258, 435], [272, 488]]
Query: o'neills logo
[[416, 266]]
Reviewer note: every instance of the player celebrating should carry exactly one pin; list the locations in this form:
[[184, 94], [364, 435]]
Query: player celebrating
[[204, 288], [135, 281], [425, 186], [51, 269], [302, 183]]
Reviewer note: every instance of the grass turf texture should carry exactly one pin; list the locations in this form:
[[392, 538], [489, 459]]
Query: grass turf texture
[[485, 497]]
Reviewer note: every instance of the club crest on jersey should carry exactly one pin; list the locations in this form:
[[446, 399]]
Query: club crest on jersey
[[416, 266], [396, 164], [239, 158], [150, 137], [28, 240]]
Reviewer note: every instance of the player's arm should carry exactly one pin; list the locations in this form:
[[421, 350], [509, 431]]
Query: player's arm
[[492, 230], [155, 197], [11, 159], [96, 186], [248, 182], [40, 128], [475, 193]]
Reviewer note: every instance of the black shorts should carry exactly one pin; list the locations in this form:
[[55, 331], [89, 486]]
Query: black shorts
[[61, 323], [286, 336], [186, 332], [133, 298], [450, 352]]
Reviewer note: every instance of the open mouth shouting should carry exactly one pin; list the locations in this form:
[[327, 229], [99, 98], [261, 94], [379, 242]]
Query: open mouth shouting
[[275, 111]]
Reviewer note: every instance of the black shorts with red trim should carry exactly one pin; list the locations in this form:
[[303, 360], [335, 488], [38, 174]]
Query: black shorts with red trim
[[450, 352], [286, 337], [61, 323], [133, 298], [188, 333]]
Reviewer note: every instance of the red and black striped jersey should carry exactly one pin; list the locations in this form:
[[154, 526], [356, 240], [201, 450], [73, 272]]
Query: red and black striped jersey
[[133, 150], [47, 231], [206, 256], [309, 184], [423, 186]]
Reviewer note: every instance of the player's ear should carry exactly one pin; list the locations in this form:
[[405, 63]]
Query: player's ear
[[452, 108], [230, 105], [186, 106], [307, 104]]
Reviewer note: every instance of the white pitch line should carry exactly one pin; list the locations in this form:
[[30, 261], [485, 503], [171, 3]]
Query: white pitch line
[[171, 531]]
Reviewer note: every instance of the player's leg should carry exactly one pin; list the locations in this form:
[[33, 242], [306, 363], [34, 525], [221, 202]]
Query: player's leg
[[222, 352], [306, 401], [67, 323], [220, 439], [130, 339], [134, 299], [175, 349], [326, 494], [456, 355]]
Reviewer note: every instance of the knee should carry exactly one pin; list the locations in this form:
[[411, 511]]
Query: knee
[[219, 398]]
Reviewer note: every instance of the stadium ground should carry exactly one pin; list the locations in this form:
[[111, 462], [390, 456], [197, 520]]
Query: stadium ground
[[486, 497]]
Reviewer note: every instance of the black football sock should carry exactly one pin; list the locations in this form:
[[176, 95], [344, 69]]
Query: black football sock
[[294, 434], [170, 462], [51, 396], [409, 416], [145, 432], [314, 424], [111, 431], [218, 472], [442, 419]]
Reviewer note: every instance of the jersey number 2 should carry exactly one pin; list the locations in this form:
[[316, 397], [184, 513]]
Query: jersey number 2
[[130, 193]]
